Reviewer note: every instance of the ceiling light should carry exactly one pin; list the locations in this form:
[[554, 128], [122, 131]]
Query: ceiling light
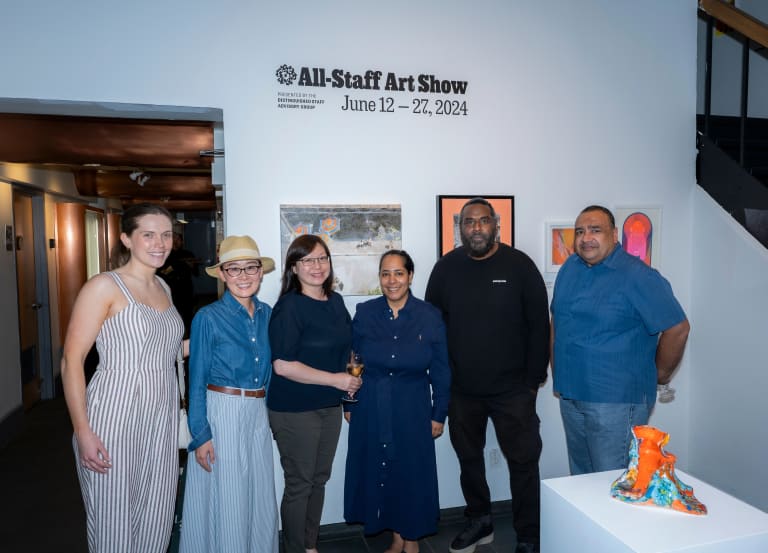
[[140, 177]]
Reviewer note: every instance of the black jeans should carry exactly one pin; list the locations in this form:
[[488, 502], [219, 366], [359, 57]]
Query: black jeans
[[517, 430], [307, 444]]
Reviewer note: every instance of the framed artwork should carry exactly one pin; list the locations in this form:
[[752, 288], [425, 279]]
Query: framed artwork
[[356, 235], [640, 232], [449, 227], [559, 244]]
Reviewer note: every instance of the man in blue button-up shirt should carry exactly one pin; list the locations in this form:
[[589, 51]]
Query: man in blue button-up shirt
[[617, 331]]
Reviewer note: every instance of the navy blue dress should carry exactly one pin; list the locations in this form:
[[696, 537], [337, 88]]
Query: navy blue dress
[[391, 475]]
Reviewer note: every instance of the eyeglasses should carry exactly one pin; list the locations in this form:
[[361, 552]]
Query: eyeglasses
[[235, 271], [482, 221], [309, 261]]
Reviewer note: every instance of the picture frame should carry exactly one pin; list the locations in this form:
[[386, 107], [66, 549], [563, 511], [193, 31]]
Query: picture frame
[[639, 230], [356, 235], [559, 244], [448, 224]]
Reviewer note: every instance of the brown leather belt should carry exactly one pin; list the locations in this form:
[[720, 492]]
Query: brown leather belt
[[237, 391]]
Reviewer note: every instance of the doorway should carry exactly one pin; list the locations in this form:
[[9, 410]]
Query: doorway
[[32, 293], [106, 156]]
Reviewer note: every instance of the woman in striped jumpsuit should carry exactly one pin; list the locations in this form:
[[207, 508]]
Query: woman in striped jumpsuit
[[126, 421]]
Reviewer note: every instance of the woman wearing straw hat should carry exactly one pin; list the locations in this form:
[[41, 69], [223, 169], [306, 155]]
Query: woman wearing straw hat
[[229, 501]]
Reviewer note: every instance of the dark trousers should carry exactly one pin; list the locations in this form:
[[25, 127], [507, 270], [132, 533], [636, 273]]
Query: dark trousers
[[517, 430], [307, 444]]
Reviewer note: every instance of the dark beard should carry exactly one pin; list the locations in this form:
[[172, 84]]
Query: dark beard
[[478, 250]]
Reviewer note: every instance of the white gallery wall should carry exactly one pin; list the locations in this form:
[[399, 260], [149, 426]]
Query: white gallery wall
[[729, 437], [728, 434], [568, 104]]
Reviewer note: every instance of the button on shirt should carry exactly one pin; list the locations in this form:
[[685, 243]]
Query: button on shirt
[[228, 347]]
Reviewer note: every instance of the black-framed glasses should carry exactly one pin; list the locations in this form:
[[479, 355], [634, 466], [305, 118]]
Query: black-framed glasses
[[309, 261], [235, 271]]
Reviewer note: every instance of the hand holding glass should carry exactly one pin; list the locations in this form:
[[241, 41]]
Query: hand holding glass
[[355, 368]]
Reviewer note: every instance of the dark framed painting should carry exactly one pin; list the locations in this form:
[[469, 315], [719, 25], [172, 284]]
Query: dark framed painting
[[449, 226]]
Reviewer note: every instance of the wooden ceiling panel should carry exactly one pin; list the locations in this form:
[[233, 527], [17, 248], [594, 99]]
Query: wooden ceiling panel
[[183, 205], [103, 152], [113, 184], [115, 142]]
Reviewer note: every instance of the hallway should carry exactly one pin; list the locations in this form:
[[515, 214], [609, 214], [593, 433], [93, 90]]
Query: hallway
[[42, 511]]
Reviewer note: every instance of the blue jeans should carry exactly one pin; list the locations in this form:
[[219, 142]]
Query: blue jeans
[[598, 434]]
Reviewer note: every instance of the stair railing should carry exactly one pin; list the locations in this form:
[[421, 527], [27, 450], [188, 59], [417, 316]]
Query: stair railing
[[751, 29]]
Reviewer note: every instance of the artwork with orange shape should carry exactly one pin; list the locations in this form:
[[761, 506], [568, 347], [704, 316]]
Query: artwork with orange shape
[[650, 477], [637, 235], [562, 244], [330, 225]]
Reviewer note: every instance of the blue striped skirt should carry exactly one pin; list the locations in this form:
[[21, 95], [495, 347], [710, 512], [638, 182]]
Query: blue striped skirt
[[232, 508]]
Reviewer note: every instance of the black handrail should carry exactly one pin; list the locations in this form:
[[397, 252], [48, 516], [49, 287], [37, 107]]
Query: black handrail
[[744, 98], [752, 32], [708, 75]]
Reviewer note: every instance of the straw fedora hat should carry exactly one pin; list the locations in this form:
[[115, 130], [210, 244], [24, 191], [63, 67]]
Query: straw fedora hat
[[235, 248]]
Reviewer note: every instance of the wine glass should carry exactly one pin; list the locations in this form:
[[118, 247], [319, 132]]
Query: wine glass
[[355, 368]]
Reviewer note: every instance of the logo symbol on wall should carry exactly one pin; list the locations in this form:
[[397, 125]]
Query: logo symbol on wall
[[285, 74]]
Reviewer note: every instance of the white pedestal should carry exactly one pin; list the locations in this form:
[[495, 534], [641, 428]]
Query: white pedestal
[[578, 514]]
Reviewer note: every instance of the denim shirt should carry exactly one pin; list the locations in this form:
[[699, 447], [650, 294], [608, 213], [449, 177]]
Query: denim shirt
[[228, 347], [607, 319]]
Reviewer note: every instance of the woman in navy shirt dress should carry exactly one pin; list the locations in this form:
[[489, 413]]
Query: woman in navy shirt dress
[[391, 474]]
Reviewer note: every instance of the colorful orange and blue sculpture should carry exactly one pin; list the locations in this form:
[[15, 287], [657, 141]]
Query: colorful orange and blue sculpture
[[650, 477]]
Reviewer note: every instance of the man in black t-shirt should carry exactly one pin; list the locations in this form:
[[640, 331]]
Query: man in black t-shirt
[[495, 307]]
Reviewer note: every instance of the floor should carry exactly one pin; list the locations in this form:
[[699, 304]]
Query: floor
[[41, 509], [41, 506], [504, 538]]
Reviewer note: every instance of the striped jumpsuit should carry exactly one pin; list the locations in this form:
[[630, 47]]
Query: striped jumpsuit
[[132, 404]]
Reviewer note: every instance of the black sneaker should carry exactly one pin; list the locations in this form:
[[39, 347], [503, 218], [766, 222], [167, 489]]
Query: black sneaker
[[478, 531], [527, 547]]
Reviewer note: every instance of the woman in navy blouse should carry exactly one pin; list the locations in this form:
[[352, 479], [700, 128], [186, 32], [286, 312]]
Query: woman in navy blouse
[[310, 334], [229, 500], [391, 475]]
